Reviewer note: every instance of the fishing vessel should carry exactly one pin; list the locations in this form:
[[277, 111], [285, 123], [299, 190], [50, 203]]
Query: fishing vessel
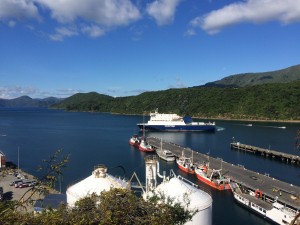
[[174, 122], [186, 164], [165, 154], [263, 205], [134, 140], [145, 146], [212, 177]]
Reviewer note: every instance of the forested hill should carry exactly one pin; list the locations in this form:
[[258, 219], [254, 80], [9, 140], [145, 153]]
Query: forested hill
[[290, 74], [267, 102], [26, 101]]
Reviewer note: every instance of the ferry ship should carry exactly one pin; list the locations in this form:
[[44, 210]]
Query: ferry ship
[[174, 122]]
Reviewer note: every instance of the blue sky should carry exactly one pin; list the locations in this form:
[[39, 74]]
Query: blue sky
[[126, 47]]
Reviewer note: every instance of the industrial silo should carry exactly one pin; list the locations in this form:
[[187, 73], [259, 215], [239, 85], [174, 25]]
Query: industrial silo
[[99, 181]]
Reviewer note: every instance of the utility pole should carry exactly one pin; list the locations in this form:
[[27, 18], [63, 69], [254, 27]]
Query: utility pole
[[297, 143]]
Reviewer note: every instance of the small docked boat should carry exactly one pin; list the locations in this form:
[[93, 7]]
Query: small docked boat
[[165, 154], [145, 147], [212, 177], [186, 164], [265, 206], [134, 140]]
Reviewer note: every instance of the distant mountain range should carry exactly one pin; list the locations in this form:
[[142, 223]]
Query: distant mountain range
[[253, 96], [26, 101], [287, 75], [267, 96]]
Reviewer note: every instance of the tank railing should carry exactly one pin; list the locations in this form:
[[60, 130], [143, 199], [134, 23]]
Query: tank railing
[[187, 181], [139, 182], [208, 191]]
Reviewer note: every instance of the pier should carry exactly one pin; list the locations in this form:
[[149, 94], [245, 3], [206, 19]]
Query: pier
[[284, 157], [286, 193]]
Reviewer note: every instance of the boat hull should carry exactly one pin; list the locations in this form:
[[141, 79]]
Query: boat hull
[[178, 128], [207, 181], [145, 148], [136, 144], [185, 169]]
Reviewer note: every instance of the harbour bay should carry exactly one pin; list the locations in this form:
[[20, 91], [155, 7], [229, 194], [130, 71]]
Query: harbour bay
[[102, 138]]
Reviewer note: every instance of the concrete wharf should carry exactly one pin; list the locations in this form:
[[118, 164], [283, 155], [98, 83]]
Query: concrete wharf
[[284, 157], [286, 193]]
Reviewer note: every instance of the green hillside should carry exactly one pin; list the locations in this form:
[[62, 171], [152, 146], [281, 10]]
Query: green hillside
[[87, 102], [267, 101], [287, 75]]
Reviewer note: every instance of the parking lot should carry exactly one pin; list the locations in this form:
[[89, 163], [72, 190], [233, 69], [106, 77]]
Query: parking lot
[[14, 193]]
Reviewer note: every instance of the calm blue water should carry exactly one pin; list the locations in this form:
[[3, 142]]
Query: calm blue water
[[101, 138]]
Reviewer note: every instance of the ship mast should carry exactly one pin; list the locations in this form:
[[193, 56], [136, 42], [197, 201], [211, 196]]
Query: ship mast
[[18, 159], [144, 125]]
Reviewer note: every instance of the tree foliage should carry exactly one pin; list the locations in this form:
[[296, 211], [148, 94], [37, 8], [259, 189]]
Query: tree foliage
[[278, 101], [113, 207]]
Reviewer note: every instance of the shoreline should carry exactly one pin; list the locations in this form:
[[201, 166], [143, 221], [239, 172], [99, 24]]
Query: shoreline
[[252, 120], [196, 117]]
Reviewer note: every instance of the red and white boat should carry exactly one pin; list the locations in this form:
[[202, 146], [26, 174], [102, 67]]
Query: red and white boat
[[145, 147], [134, 140], [212, 177], [185, 164]]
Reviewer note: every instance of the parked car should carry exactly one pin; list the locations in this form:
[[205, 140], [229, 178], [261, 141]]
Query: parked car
[[32, 183], [18, 183], [23, 185], [14, 182]]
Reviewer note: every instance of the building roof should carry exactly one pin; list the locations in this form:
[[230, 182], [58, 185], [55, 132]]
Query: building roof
[[50, 201]]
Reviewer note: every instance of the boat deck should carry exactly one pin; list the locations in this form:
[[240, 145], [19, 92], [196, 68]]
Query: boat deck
[[286, 193], [257, 201]]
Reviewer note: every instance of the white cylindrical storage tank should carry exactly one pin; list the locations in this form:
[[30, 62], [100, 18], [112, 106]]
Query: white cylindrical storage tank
[[182, 192], [99, 181]]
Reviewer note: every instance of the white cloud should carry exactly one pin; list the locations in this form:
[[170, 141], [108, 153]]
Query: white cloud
[[104, 12], [12, 23], [190, 32], [63, 32], [255, 11], [178, 83], [92, 31], [136, 91], [163, 11], [98, 16], [18, 9], [8, 92], [67, 92]]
